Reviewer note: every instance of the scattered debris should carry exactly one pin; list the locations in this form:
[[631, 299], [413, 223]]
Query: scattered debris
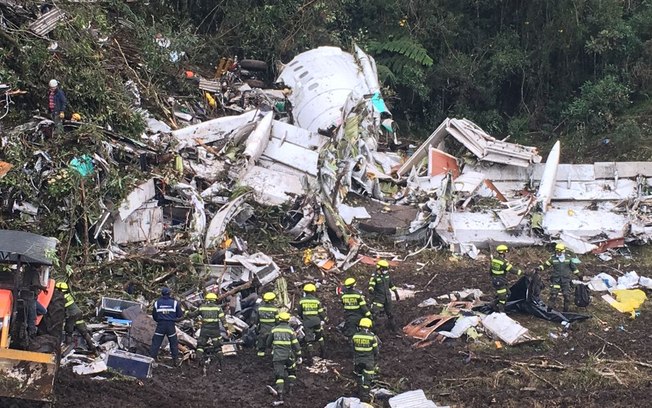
[[413, 399], [507, 329], [134, 365]]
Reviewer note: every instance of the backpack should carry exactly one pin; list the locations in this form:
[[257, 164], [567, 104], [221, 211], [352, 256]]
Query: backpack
[[582, 296]]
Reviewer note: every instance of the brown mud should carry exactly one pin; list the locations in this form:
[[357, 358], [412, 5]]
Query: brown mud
[[603, 361]]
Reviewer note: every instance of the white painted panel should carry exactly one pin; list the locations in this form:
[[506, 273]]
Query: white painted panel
[[144, 224]]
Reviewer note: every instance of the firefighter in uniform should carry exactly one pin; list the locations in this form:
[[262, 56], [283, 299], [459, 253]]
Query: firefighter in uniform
[[355, 307], [498, 270], [365, 355], [564, 268], [165, 313], [264, 319], [312, 315], [211, 315], [286, 353], [74, 319], [380, 286]]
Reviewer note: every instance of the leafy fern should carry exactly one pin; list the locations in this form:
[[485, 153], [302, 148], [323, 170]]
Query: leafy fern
[[405, 46]]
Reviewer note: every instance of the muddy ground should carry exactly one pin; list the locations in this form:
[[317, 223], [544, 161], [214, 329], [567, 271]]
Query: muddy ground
[[604, 361]]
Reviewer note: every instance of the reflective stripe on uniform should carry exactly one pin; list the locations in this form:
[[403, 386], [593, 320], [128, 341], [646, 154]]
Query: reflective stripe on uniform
[[269, 313], [282, 330], [501, 291], [352, 301], [364, 342], [165, 309], [69, 300], [555, 286], [497, 266]]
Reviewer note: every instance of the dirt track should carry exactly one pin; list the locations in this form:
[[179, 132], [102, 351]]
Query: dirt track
[[579, 373]]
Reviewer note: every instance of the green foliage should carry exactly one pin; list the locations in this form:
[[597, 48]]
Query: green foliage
[[598, 104], [404, 46]]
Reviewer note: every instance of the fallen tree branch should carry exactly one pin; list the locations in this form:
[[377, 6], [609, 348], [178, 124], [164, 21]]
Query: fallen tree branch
[[541, 378], [638, 363], [612, 345], [235, 290]]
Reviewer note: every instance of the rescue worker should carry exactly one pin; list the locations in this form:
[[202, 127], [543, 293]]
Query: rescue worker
[[74, 319], [355, 307], [498, 271], [365, 355], [211, 315], [311, 313], [287, 354], [264, 320], [380, 286], [564, 268], [56, 103], [165, 313]]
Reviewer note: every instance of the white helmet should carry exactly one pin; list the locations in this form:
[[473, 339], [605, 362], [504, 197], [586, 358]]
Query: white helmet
[[54, 83]]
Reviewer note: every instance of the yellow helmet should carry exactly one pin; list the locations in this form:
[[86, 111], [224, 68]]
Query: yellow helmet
[[62, 286], [349, 282], [310, 288], [501, 249], [210, 296], [560, 247], [382, 264], [283, 317], [269, 296], [365, 323], [76, 117]]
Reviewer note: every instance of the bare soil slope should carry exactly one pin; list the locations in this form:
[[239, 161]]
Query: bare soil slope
[[603, 362]]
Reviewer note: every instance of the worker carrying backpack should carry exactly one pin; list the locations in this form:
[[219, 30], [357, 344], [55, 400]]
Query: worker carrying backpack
[[582, 296]]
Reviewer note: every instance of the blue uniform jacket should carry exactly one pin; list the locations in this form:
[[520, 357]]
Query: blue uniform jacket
[[166, 309]]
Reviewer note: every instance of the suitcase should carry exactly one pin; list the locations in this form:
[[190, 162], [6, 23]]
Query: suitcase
[[134, 365]]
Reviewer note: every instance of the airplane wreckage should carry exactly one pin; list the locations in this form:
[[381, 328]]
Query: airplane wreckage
[[328, 158]]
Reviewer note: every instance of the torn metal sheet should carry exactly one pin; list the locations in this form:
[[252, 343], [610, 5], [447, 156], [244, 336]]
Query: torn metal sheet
[[468, 182], [423, 327], [586, 224], [211, 130], [482, 230], [217, 226], [544, 194], [321, 80], [261, 265], [440, 162], [257, 141], [349, 213], [435, 138], [137, 198], [285, 132], [272, 187], [488, 148], [292, 155], [143, 224]]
